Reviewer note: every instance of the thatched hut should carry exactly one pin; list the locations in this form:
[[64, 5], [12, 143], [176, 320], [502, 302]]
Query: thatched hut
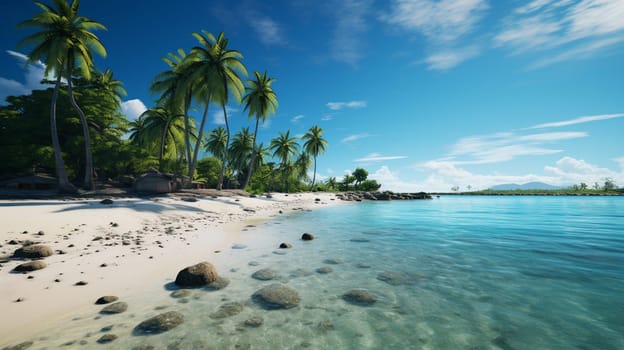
[[154, 182]]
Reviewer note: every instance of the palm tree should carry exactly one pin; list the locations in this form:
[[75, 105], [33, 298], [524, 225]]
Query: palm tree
[[315, 144], [284, 148], [176, 91], [216, 73], [113, 88], [241, 150], [168, 127], [137, 131], [65, 43], [215, 142], [301, 166], [260, 101]]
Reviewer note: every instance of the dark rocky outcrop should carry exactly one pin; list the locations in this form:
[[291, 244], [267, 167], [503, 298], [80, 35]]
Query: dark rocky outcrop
[[159, 323], [106, 299], [30, 266], [276, 296], [35, 251], [197, 275], [382, 196], [359, 297], [115, 308]]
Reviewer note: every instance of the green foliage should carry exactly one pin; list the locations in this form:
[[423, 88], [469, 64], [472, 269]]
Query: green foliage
[[369, 185], [208, 170]]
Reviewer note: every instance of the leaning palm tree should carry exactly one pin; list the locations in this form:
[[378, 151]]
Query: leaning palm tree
[[260, 101], [314, 145], [216, 74], [284, 148], [65, 43]]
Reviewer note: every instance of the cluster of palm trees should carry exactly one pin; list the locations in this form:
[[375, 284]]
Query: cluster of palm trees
[[209, 74]]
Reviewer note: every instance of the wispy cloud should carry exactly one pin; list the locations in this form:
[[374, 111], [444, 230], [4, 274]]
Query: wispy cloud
[[354, 137], [377, 157], [335, 106], [580, 28], [443, 23], [133, 108], [347, 39], [327, 117], [297, 118], [269, 31], [219, 118], [579, 120]]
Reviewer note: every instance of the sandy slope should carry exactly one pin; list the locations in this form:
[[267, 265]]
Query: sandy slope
[[117, 248]]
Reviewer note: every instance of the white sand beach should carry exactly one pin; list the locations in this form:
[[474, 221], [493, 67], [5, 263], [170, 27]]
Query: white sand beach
[[118, 249]]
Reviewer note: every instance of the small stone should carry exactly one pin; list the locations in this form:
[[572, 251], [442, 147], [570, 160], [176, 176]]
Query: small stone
[[333, 261], [106, 338], [115, 308], [324, 270], [160, 323], [180, 293], [106, 299], [307, 236], [285, 245], [227, 310], [238, 246], [254, 321], [30, 266], [276, 296], [265, 275], [81, 283], [359, 297], [218, 284], [107, 201], [21, 346], [97, 238], [103, 265], [362, 265], [40, 233]]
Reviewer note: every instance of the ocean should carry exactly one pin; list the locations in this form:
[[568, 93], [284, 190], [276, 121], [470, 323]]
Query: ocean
[[455, 272]]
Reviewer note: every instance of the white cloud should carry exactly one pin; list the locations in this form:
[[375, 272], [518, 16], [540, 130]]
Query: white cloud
[[578, 120], [573, 171], [346, 41], [297, 118], [33, 75], [335, 106], [449, 58], [327, 117], [354, 137], [377, 157], [444, 24], [133, 108], [219, 118], [582, 28], [268, 31]]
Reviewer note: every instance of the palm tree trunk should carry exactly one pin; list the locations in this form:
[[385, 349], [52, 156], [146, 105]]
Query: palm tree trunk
[[162, 145], [88, 179], [227, 145], [313, 176], [253, 156], [198, 143], [64, 186], [187, 130]]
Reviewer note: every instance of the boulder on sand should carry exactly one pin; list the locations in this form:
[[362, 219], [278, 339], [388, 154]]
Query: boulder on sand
[[115, 308], [197, 275], [34, 251], [30, 266]]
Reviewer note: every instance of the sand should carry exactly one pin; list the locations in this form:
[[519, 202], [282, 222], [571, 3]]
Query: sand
[[118, 249]]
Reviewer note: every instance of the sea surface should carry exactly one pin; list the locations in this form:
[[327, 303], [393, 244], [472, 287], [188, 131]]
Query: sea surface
[[449, 273]]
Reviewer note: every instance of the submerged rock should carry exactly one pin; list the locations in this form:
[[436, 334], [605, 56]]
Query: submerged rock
[[396, 278], [218, 284], [21, 346], [333, 261], [35, 251], [115, 308], [180, 293], [307, 236], [265, 275], [359, 240], [254, 321], [106, 299], [276, 296], [197, 275], [227, 310], [30, 266], [324, 270], [106, 338], [160, 323], [285, 245], [359, 297]]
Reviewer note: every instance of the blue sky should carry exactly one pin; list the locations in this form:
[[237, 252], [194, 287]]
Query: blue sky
[[424, 94]]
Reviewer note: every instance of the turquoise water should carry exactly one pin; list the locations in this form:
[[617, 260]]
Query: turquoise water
[[475, 273]]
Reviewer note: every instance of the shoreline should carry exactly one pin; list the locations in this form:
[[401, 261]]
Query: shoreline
[[120, 249]]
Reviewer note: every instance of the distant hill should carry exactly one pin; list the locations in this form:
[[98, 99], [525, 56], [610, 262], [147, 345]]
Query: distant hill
[[526, 186]]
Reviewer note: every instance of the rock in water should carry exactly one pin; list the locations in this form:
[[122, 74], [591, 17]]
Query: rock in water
[[160, 323], [359, 297], [106, 299], [254, 321], [107, 201], [218, 284], [307, 236], [21, 346], [395, 278], [115, 308], [35, 251], [285, 245], [180, 293], [227, 310], [265, 275], [276, 296], [324, 270], [197, 275], [30, 266]]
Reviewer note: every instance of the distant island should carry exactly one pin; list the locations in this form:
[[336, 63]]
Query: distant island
[[607, 188]]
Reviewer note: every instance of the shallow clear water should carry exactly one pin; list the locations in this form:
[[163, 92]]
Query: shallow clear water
[[479, 273]]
